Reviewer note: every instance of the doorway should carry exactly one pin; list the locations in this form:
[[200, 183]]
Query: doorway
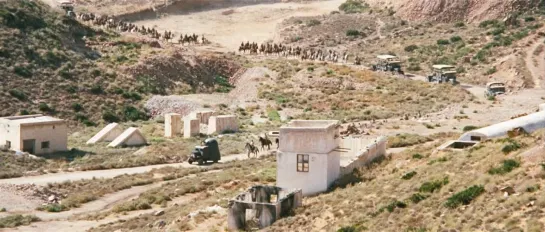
[[28, 145]]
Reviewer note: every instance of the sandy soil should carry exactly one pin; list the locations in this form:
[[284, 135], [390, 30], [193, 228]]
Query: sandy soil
[[110, 173], [256, 23]]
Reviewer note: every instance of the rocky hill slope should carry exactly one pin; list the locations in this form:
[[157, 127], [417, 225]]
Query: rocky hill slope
[[455, 10], [56, 65]]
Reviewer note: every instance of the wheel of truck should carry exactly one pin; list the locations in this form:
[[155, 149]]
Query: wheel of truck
[[201, 162], [190, 161]]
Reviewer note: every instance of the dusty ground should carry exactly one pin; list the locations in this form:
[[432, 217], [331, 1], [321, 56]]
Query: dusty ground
[[257, 23]]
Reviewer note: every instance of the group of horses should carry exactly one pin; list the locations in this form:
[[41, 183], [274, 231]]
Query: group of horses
[[111, 23], [265, 142], [286, 51]]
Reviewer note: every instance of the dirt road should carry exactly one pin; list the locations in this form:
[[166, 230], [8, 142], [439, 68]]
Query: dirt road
[[257, 23], [110, 173]]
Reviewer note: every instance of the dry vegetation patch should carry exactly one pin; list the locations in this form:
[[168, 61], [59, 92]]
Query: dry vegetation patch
[[456, 193]]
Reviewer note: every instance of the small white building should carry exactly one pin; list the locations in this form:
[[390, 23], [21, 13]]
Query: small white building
[[35, 134], [306, 158]]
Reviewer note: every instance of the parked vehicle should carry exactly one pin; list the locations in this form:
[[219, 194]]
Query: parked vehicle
[[68, 7], [209, 152], [443, 73], [494, 89], [387, 63]]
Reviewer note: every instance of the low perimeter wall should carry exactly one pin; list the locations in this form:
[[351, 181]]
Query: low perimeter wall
[[366, 155]]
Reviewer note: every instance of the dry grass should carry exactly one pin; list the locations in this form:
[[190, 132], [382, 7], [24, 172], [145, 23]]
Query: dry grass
[[17, 220], [382, 186], [209, 188], [340, 92]]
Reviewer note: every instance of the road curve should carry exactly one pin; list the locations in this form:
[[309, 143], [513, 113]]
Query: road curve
[[109, 173]]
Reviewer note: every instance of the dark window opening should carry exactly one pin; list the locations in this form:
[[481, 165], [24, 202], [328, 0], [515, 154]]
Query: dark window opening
[[45, 145], [302, 163]]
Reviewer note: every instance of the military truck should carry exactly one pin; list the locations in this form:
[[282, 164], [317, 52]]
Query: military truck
[[209, 151], [494, 89], [443, 73], [68, 7], [387, 63]]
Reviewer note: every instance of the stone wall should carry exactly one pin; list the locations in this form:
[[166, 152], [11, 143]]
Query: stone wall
[[366, 155], [222, 123], [173, 124], [192, 127]]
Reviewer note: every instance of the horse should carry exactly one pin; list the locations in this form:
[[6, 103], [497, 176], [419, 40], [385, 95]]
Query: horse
[[265, 142], [250, 148]]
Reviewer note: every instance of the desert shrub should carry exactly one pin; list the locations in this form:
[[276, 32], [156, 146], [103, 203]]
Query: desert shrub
[[132, 95], [455, 39], [53, 208], [497, 31], [313, 22], [404, 140], [520, 34], [511, 146], [22, 71], [491, 71], [44, 107], [464, 197], [110, 116], [506, 167], [469, 128], [131, 113], [417, 197], [529, 19], [273, 115], [395, 204], [443, 42], [430, 187], [460, 69], [354, 228], [12, 221], [459, 24], [96, 89], [353, 6], [487, 23], [222, 84], [411, 48], [481, 55], [17, 94], [417, 156], [352, 32], [77, 107], [408, 175]]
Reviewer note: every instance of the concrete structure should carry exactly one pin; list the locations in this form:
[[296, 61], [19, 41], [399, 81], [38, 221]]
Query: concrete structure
[[203, 115], [35, 134], [263, 204], [222, 123], [529, 123], [130, 137], [107, 134], [173, 124], [306, 158], [192, 127], [362, 151]]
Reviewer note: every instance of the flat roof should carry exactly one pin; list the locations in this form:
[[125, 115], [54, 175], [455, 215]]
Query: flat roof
[[442, 66], [311, 124], [31, 119], [386, 57]]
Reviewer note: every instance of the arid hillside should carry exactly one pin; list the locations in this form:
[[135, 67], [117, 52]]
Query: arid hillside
[[455, 10], [56, 65]]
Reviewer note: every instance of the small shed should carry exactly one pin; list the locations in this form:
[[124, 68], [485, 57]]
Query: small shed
[[130, 137], [107, 134]]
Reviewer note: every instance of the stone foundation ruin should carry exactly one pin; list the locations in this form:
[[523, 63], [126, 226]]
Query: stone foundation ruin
[[263, 205]]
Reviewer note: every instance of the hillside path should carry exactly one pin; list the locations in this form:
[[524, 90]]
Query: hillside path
[[110, 173]]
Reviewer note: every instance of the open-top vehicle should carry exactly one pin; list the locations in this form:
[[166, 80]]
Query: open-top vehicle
[[443, 73], [388, 63], [494, 89]]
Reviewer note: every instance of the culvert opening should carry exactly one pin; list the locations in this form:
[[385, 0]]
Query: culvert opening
[[461, 144]]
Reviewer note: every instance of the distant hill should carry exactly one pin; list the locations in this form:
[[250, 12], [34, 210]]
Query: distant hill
[[456, 10]]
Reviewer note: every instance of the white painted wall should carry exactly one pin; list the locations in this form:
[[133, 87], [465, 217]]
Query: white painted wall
[[173, 124], [10, 133], [366, 155], [56, 134], [315, 181]]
